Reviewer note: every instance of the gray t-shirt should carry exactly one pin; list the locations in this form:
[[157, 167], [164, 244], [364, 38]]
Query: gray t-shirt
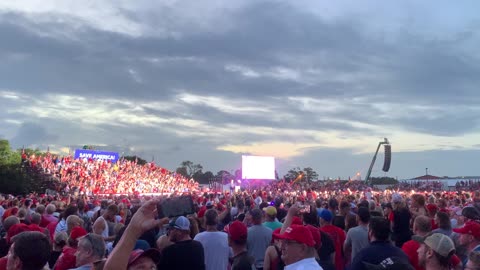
[[357, 237], [259, 238]]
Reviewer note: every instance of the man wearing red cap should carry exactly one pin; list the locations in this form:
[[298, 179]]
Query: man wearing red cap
[[143, 259], [469, 236], [67, 259], [298, 248], [237, 240]]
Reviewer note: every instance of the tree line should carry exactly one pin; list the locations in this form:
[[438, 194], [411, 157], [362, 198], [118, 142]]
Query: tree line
[[15, 176]]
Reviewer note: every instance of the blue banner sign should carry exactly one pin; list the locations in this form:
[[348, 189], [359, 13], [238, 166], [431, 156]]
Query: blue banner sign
[[83, 153]]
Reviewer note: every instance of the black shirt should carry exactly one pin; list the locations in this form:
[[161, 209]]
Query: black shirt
[[243, 262], [53, 258], [327, 247], [325, 252], [281, 213], [4, 247], [401, 226], [375, 253], [183, 255]]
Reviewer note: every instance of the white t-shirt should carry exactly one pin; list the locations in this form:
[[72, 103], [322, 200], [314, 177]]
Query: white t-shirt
[[216, 249], [305, 264]]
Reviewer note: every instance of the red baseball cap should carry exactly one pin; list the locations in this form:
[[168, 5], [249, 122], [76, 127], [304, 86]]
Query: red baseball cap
[[298, 233], [275, 233], [152, 253], [237, 230], [470, 227], [316, 236], [77, 232]]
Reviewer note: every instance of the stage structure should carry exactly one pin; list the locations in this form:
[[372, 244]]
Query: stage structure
[[387, 160]]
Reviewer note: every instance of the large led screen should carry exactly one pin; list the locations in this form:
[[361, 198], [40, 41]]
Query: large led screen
[[257, 167]]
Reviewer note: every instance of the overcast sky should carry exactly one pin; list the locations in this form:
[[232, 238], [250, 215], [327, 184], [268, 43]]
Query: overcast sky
[[313, 83]]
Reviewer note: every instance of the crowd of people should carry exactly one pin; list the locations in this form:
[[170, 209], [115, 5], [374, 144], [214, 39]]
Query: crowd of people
[[90, 176], [333, 225]]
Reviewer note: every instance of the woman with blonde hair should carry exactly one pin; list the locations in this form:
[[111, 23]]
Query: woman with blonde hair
[[400, 221]]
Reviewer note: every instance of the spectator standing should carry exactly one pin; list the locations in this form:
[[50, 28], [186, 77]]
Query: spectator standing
[[67, 258], [62, 224], [215, 243], [444, 224], [380, 246], [271, 218], [273, 256], [337, 235], [259, 238], [91, 248], [143, 259], [4, 243], [400, 221], [435, 251], [29, 250], [48, 217], [422, 226], [237, 240], [101, 227], [469, 237], [357, 237], [185, 253], [59, 242], [281, 212], [298, 251]]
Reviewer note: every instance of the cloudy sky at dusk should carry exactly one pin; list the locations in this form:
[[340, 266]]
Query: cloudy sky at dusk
[[313, 83]]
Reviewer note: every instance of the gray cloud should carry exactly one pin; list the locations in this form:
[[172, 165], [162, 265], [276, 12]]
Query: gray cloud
[[260, 54], [33, 134]]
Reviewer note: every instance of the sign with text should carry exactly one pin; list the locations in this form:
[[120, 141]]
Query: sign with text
[[103, 155]]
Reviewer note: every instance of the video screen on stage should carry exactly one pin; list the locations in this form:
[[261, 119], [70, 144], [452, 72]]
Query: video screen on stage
[[258, 167]]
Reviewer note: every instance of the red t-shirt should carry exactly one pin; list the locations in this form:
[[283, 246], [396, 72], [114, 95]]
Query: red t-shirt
[[410, 248], [67, 259], [3, 263], [338, 236]]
